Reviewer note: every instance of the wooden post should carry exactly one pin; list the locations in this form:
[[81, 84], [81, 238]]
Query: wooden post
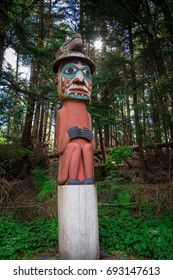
[[78, 222], [77, 196]]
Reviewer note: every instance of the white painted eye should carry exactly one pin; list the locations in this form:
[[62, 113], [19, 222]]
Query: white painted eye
[[87, 72], [70, 70]]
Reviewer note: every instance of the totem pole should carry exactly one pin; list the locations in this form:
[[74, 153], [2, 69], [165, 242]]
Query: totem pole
[[77, 196]]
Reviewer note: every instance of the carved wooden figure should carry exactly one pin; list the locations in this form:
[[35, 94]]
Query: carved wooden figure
[[75, 141], [78, 235]]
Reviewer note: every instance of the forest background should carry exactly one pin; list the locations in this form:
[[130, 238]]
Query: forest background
[[131, 107]]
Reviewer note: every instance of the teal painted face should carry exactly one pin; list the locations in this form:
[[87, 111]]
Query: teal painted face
[[69, 71], [75, 81]]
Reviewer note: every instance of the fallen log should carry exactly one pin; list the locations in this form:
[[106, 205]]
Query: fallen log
[[161, 145]]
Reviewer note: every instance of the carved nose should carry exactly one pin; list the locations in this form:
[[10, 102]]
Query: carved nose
[[79, 77], [79, 81]]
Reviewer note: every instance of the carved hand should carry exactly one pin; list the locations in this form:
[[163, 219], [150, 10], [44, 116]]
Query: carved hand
[[74, 132], [86, 133]]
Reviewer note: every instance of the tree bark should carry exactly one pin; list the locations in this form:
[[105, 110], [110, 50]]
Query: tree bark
[[36, 121], [26, 136], [101, 144], [139, 132], [40, 134]]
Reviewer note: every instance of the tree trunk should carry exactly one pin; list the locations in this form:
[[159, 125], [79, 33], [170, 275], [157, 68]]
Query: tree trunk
[[105, 100], [26, 136], [50, 125], [106, 136], [2, 50], [101, 144], [139, 132], [40, 134], [129, 126], [156, 119], [16, 96], [36, 121], [96, 138], [45, 123]]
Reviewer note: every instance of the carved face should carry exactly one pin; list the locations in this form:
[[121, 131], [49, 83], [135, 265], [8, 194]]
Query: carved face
[[74, 81]]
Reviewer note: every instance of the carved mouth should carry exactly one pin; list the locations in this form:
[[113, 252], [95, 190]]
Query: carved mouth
[[79, 90], [78, 95]]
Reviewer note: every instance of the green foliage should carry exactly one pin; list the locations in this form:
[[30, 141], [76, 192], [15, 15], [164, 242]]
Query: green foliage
[[13, 157], [111, 189], [39, 178], [19, 240], [118, 155], [110, 186], [45, 186], [102, 115], [150, 238], [123, 198], [129, 220], [48, 190]]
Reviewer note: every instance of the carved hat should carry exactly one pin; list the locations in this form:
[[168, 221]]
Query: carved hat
[[72, 50]]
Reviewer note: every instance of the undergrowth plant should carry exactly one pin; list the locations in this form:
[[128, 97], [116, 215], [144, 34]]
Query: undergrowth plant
[[111, 190], [22, 239], [142, 237], [46, 187], [110, 186], [118, 155], [14, 159], [129, 220], [148, 237]]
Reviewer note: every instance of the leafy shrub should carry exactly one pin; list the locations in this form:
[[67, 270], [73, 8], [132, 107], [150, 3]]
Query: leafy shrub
[[48, 190], [118, 155], [150, 238], [146, 235], [14, 159], [19, 240], [45, 186], [39, 178], [108, 187], [111, 190]]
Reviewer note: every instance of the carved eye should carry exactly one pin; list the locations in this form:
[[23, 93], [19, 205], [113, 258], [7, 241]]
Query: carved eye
[[70, 70], [87, 72]]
